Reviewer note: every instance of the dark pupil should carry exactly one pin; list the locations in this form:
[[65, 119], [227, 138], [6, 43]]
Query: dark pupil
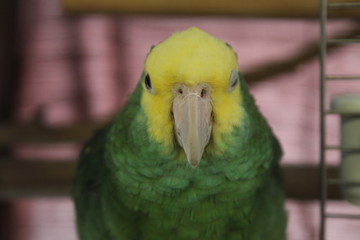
[[147, 82], [234, 83]]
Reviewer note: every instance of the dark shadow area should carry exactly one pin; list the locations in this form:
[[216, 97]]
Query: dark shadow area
[[10, 70]]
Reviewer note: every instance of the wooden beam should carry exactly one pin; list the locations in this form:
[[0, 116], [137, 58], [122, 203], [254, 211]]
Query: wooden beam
[[34, 178], [302, 182], [258, 8], [54, 178], [35, 133]]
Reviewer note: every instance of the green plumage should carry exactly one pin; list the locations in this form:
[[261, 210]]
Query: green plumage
[[127, 188]]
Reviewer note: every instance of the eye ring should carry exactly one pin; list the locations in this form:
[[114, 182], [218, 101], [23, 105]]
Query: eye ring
[[148, 84], [234, 79]]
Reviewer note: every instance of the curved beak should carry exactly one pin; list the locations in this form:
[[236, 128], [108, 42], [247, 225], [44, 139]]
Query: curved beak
[[192, 110]]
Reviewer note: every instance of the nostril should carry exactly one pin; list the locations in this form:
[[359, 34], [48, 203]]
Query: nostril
[[203, 93]]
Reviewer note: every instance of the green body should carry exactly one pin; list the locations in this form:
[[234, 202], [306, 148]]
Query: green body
[[127, 188]]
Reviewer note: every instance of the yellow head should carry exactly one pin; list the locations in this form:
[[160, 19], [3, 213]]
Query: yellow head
[[191, 93]]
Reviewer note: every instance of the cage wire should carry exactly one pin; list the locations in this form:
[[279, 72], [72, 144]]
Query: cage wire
[[325, 41]]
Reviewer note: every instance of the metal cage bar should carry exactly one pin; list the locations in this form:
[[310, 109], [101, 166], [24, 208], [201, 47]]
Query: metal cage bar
[[323, 176], [344, 4], [342, 148], [324, 181], [342, 215], [342, 113], [343, 40], [343, 183], [339, 77]]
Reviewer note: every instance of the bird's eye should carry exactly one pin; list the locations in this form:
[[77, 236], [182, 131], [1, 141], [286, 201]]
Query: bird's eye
[[148, 84], [234, 79]]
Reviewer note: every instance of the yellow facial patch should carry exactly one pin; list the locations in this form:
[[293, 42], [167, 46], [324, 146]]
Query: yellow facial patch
[[191, 57]]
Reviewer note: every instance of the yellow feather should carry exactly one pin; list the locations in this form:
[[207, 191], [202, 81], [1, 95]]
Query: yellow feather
[[191, 57]]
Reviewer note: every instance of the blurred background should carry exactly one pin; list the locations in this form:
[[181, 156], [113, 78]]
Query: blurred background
[[66, 67]]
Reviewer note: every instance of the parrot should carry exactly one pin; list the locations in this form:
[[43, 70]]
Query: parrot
[[188, 157]]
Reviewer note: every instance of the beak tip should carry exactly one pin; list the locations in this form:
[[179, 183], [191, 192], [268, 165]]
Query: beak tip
[[194, 163]]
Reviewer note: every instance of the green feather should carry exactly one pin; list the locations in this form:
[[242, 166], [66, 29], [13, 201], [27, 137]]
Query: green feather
[[127, 188]]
